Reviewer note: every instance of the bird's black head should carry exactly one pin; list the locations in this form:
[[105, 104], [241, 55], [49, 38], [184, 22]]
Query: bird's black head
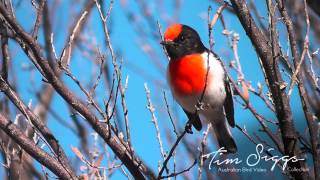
[[181, 40]]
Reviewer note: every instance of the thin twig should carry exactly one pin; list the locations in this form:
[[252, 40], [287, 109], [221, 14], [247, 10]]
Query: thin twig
[[203, 145], [168, 110], [181, 172], [91, 100], [125, 111], [67, 51], [241, 80], [161, 38], [154, 119], [101, 59], [260, 94], [38, 19], [294, 76], [218, 14], [170, 153]]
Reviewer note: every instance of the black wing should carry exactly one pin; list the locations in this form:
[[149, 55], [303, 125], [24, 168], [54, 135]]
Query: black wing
[[228, 103], [194, 119]]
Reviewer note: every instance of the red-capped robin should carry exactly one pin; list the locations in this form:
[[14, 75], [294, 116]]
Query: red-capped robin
[[187, 75]]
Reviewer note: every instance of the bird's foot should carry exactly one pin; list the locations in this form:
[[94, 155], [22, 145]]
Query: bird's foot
[[188, 128]]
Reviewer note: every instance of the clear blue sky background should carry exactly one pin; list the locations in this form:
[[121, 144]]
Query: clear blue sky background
[[141, 69]]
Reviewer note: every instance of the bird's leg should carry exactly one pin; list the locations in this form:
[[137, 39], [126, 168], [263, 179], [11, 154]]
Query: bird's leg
[[188, 127]]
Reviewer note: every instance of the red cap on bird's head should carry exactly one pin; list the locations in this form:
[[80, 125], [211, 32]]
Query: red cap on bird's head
[[172, 32]]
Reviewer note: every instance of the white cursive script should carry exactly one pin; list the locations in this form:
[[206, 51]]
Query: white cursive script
[[255, 158], [252, 159], [220, 152]]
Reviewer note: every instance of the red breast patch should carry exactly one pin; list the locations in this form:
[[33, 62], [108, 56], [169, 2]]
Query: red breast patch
[[187, 75]]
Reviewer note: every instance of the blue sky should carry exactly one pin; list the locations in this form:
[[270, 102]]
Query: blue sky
[[141, 68]]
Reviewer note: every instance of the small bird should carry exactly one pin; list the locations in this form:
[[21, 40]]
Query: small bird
[[188, 74]]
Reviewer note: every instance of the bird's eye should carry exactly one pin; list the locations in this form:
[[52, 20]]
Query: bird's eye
[[182, 38]]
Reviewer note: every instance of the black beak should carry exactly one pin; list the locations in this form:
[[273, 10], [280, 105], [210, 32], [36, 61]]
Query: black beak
[[167, 43]]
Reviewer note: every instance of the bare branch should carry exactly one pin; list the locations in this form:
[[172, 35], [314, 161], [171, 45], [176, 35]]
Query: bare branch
[[4, 87], [132, 163], [312, 123], [274, 79], [15, 133]]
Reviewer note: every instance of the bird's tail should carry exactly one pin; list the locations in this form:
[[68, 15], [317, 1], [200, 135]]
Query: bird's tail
[[224, 136]]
